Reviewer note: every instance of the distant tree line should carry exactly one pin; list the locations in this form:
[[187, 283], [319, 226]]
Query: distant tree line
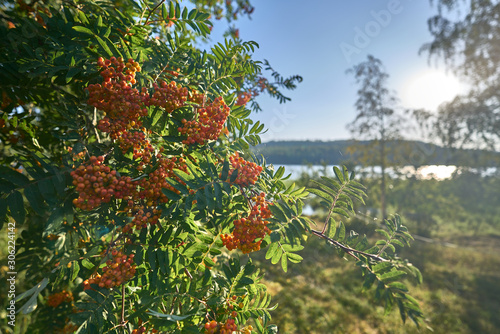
[[400, 152]]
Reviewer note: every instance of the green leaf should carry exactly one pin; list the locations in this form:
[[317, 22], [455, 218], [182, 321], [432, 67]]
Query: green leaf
[[16, 207], [369, 280], [338, 174], [177, 10], [218, 194], [284, 262], [340, 234], [208, 262], [99, 21], [209, 195], [71, 73], [171, 195], [278, 213], [83, 30], [294, 258], [292, 248], [201, 202], [273, 248], [13, 176], [171, 13], [55, 220], [82, 17], [327, 197], [192, 14], [225, 170], [234, 175], [341, 212], [381, 267], [331, 230], [276, 256], [397, 242], [87, 264], [391, 247], [289, 189], [361, 246], [399, 286], [75, 269], [392, 276], [384, 233], [170, 317], [104, 46], [31, 304], [164, 12], [346, 173], [279, 173]]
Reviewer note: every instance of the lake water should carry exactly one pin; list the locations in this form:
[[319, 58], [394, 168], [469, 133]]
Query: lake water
[[438, 172]]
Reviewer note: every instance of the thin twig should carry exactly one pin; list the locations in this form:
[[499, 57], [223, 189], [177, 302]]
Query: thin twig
[[152, 10], [123, 305], [94, 125], [348, 250]]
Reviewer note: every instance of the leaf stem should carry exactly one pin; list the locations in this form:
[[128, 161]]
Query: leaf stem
[[152, 10], [123, 305], [331, 208]]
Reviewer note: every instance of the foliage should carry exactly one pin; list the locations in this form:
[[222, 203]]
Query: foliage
[[127, 173], [459, 293], [456, 224], [374, 263], [468, 44]]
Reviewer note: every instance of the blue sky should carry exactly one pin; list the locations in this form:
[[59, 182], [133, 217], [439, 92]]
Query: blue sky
[[320, 40]]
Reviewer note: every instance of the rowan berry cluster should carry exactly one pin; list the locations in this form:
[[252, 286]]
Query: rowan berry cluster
[[168, 96], [172, 71], [143, 216], [214, 327], [142, 330], [248, 232], [157, 180], [262, 83], [60, 297], [96, 183], [119, 269], [75, 156], [243, 98], [248, 172], [136, 142], [196, 97], [208, 124], [123, 105], [68, 328]]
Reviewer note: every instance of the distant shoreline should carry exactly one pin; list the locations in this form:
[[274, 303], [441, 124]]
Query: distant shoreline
[[400, 153]]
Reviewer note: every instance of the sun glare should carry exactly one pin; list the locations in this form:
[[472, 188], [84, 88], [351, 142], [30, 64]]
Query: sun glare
[[429, 89]]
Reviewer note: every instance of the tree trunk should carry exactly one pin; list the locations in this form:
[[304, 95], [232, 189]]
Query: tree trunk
[[382, 184]]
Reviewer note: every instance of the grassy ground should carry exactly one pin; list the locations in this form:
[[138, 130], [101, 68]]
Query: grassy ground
[[460, 293]]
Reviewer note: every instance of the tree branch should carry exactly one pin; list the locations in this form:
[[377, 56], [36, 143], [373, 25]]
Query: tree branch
[[348, 250]]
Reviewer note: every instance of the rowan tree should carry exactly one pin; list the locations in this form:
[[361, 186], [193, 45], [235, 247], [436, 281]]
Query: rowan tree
[[128, 190]]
